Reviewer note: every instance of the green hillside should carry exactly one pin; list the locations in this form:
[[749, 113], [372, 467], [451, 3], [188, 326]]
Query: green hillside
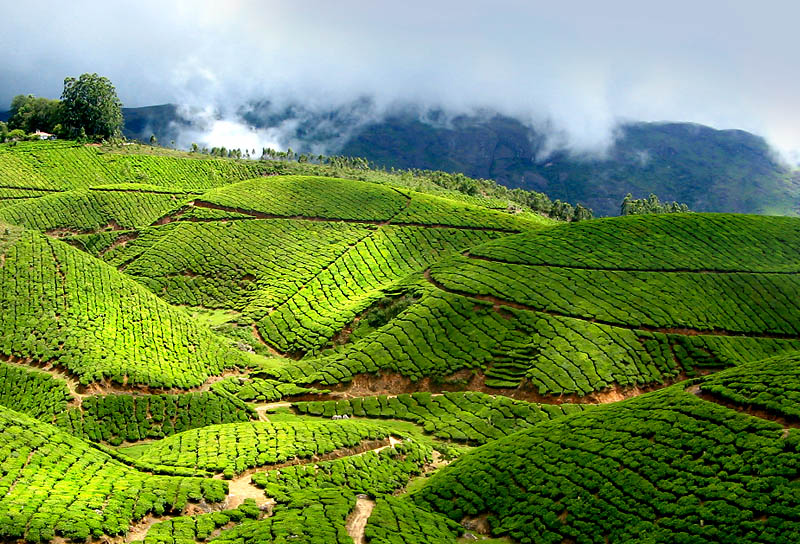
[[250, 352], [665, 467]]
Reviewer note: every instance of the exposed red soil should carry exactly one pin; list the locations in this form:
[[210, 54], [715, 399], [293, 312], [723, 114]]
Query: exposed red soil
[[468, 380]]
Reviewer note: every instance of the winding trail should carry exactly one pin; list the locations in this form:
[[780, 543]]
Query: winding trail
[[357, 520]]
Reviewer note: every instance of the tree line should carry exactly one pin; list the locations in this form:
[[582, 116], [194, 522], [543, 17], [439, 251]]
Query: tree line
[[651, 204], [88, 109]]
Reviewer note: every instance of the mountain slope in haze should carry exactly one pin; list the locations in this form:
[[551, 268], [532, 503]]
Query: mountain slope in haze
[[710, 170]]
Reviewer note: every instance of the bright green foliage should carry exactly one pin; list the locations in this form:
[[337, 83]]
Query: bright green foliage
[[467, 416], [60, 305], [191, 529], [310, 196], [64, 165], [262, 390], [433, 210], [55, 484], [118, 418], [225, 264], [735, 302], [310, 516], [399, 521], [235, 447], [664, 467], [87, 210], [772, 385], [33, 392], [722, 242], [97, 243], [373, 473], [360, 277], [445, 333]]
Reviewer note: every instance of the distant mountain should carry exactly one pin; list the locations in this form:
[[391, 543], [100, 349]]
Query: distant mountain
[[710, 170]]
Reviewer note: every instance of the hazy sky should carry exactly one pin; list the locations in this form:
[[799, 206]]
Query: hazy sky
[[582, 65]]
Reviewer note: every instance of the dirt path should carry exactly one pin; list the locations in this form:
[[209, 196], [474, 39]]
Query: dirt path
[[242, 488], [357, 520], [262, 409]]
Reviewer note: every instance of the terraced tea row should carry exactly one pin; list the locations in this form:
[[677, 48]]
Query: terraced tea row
[[118, 418], [33, 392], [230, 265], [693, 242], [67, 165], [233, 448], [309, 196], [350, 284], [86, 210], [757, 304], [61, 306], [445, 333], [770, 388], [465, 416], [664, 467], [52, 484], [374, 473]]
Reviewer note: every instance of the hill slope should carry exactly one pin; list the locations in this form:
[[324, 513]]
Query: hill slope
[[710, 170]]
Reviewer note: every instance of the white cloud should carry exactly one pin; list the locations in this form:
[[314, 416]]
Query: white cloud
[[582, 65]]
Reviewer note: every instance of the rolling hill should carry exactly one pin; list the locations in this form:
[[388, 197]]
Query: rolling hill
[[197, 349], [710, 170]]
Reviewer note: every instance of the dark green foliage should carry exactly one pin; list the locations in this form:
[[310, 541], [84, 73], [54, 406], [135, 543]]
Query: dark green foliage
[[664, 467], [652, 204], [470, 416], [30, 114], [399, 521], [118, 418], [54, 484], [772, 385], [90, 106], [33, 392]]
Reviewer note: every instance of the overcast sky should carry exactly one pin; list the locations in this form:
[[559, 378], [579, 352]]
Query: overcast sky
[[582, 65]]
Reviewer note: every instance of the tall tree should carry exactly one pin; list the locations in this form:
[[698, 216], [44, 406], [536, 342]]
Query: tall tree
[[91, 103], [31, 113]]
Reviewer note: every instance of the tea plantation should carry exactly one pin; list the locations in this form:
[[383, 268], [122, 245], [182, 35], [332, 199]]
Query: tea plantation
[[198, 349]]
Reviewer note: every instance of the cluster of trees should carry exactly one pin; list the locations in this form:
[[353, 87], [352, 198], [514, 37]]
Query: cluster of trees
[[89, 108], [651, 204]]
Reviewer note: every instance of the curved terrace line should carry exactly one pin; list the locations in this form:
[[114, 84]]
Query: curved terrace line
[[498, 302], [628, 269]]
